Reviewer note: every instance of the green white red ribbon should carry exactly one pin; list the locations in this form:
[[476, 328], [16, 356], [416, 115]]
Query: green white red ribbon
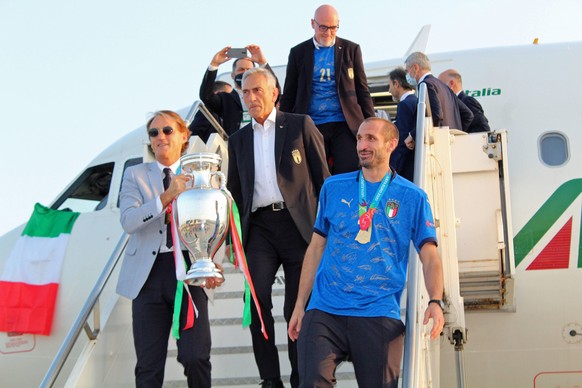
[[180, 264], [240, 261]]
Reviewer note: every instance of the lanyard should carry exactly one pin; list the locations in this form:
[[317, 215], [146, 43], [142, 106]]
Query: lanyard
[[366, 216]]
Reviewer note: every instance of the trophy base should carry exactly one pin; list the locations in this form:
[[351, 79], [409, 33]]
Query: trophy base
[[200, 271]]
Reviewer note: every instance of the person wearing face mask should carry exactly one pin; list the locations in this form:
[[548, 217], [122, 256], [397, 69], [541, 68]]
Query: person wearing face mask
[[230, 106], [326, 80], [446, 108]]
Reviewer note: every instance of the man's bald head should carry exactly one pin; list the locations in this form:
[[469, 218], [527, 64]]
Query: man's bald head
[[453, 79], [325, 23]]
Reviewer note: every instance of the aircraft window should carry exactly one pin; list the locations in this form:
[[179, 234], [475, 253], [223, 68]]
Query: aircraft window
[[89, 192], [554, 149], [132, 162], [129, 163]]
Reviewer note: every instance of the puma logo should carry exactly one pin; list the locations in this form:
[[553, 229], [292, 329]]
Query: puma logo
[[347, 203]]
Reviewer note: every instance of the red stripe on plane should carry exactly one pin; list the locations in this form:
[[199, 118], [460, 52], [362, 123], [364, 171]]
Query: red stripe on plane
[[556, 255]]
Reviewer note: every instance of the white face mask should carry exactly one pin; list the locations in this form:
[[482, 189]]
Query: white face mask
[[411, 80]]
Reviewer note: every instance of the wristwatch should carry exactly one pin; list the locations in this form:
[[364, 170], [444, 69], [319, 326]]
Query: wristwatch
[[439, 302]]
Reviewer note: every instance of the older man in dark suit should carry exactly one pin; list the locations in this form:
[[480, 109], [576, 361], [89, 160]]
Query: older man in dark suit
[[276, 170], [325, 79], [453, 80], [447, 110]]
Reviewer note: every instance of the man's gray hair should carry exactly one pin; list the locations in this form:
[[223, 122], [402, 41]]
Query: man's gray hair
[[271, 81], [418, 58]]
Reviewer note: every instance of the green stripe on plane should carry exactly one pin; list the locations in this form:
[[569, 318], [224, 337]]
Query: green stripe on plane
[[544, 218]]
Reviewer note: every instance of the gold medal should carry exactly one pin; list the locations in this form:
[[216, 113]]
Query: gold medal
[[363, 236]]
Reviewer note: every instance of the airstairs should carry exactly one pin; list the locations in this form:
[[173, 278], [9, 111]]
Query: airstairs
[[464, 178]]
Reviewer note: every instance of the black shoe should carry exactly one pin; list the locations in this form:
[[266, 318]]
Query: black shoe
[[272, 383]]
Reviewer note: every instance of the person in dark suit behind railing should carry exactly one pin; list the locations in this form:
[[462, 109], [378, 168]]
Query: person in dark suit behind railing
[[446, 109], [276, 169], [453, 80], [200, 126], [402, 158]]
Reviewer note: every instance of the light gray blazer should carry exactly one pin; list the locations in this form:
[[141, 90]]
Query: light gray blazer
[[141, 186]]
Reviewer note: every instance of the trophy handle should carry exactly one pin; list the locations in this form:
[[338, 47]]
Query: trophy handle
[[222, 179], [192, 180]]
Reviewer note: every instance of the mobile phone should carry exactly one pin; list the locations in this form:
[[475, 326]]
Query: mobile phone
[[237, 53]]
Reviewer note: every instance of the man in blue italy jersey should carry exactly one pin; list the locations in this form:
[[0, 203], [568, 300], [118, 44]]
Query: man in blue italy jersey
[[355, 268]]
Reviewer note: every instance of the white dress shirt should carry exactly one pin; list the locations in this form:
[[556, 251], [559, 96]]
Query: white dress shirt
[[266, 188]]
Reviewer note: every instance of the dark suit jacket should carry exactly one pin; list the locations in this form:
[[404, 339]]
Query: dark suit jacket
[[402, 159], [480, 122], [227, 105], [446, 108], [301, 169], [201, 127], [352, 86]]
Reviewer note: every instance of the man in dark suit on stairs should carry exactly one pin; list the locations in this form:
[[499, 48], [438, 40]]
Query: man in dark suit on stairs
[[447, 110], [453, 80], [276, 170], [402, 158]]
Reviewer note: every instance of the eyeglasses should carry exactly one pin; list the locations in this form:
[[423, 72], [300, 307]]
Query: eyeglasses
[[323, 28], [153, 132]]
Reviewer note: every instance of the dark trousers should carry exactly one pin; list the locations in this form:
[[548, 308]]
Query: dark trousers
[[340, 147], [402, 159], [273, 240], [374, 345], [152, 312]]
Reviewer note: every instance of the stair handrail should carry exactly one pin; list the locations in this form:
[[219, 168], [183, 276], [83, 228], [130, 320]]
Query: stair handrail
[[199, 106], [412, 357], [81, 320]]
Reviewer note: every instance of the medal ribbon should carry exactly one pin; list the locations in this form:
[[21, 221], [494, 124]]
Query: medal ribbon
[[366, 215], [180, 265]]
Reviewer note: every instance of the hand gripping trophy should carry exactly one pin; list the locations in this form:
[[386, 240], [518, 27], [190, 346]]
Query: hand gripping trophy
[[202, 217]]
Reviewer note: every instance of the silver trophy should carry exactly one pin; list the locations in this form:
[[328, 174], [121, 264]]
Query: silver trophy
[[201, 214]]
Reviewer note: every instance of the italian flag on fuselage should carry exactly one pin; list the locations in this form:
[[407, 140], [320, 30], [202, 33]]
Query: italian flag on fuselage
[[30, 280]]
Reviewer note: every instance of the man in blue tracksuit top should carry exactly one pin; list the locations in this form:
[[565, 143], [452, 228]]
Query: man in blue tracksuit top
[[355, 268]]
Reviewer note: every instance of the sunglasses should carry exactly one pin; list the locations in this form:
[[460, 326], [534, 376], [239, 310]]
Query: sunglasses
[[153, 132]]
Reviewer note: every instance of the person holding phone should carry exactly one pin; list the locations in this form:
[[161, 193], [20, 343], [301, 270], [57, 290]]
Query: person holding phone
[[230, 106]]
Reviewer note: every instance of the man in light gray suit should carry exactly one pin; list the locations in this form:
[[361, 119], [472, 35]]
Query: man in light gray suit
[[148, 274]]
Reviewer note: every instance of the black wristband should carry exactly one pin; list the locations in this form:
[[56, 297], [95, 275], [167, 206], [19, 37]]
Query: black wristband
[[439, 302]]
